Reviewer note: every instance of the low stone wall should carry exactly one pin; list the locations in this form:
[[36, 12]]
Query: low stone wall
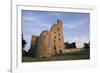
[[72, 50]]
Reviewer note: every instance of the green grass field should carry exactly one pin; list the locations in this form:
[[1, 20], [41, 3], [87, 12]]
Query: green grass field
[[80, 55]]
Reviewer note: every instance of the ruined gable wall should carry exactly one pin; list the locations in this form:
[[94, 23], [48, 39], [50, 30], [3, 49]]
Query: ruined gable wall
[[44, 45], [33, 45], [50, 42], [57, 37]]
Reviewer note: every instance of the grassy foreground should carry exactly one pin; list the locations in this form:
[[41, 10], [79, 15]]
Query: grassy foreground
[[80, 55]]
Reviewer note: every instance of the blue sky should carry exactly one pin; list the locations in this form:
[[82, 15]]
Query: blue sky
[[76, 26]]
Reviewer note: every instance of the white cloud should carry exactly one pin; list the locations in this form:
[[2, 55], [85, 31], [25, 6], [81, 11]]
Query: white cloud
[[79, 40], [75, 24], [37, 20], [31, 18], [54, 14]]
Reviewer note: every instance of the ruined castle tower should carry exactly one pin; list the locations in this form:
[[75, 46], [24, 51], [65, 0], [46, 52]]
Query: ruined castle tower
[[57, 37], [34, 42], [49, 42], [44, 45]]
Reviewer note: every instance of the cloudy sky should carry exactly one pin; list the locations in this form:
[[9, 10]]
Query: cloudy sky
[[76, 26]]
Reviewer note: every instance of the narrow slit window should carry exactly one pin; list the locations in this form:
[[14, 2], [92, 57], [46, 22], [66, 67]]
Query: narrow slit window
[[59, 34], [58, 29], [54, 36]]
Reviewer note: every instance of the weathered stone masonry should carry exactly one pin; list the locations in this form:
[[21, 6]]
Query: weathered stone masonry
[[49, 42]]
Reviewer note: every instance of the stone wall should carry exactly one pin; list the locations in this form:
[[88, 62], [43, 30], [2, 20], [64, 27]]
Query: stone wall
[[57, 37], [33, 47], [50, 42], [44, 45]]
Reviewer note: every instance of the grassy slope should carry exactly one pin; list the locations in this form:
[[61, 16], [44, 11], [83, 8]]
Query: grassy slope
[[66, 56]]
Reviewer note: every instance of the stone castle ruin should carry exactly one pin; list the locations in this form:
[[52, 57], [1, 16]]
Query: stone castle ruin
[[49, 42]]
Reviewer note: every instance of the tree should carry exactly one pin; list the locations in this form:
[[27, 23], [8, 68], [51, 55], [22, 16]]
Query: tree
[[66, 45], [70, 45], [23, 42], [87, 46], [24, 53]]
